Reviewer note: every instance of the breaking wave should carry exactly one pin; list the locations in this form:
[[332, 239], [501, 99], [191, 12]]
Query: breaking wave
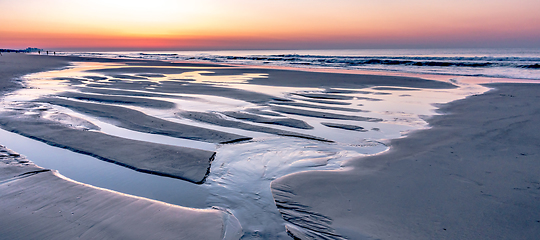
[[502, 63]]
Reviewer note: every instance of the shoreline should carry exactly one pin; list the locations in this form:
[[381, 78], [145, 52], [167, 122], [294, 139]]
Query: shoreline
[[27, 185], [12, 71], [490, 62], [32, 208], [471, 175], [342, 228]]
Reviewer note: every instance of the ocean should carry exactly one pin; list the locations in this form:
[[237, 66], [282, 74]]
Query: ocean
[[497, 63]]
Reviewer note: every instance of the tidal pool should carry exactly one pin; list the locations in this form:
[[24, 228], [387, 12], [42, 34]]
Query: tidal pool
[[241, 173]]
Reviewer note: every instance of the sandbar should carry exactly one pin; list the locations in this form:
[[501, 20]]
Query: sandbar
[[39, 203], [289, 122], [134, 101], [215, 119], [138, 121], [166, 160], [307, 105], [326, 115], [344, 126]]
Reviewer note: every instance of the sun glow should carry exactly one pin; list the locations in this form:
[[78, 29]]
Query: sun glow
[[343, 23]]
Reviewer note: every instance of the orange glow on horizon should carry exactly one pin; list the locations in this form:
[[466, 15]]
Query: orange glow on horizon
[[168, 24]]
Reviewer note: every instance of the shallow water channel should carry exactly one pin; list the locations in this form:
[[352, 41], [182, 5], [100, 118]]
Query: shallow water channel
[[241, 173]]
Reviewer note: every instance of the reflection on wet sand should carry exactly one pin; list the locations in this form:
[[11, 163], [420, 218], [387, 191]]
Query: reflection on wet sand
[[263, 126]]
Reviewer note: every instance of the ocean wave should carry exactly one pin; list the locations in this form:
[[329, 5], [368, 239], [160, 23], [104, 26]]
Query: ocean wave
[[510, 65], [332, 61], [536, 66], [158, 54]]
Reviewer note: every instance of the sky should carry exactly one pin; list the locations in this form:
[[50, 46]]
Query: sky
[[100, 25]]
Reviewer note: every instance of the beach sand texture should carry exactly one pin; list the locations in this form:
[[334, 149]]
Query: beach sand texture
[[473, 175], [38, 203]]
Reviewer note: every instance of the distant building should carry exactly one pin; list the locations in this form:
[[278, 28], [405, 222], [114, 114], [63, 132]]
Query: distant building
[[29, 49]]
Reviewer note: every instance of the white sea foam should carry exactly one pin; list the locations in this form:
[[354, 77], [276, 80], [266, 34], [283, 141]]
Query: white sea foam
[[501, 63]]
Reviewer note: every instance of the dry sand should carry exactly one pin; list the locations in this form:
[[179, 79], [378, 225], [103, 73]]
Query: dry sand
[[473, 175]]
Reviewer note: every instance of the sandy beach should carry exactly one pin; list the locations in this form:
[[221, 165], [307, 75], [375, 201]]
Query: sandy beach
[[299, 147], [39, 203], [472, 175]]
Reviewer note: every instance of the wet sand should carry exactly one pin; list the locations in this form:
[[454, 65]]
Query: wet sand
[[138, 121], [39, 203], [172, 161], [473, 175], [215, 119], [15, 65], [408, 192]]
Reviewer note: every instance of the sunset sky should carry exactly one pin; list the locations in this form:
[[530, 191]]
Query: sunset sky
[[275, 24]]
